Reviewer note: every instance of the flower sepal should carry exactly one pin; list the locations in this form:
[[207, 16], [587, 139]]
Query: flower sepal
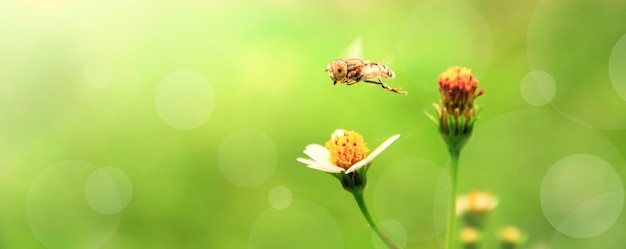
[[355, 181], [455, 132]]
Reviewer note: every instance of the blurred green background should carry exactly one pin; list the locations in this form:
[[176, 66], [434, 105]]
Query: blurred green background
[[176, 124]]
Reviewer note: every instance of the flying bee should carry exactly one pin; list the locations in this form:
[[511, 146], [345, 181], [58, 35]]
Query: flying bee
[[355, 70]]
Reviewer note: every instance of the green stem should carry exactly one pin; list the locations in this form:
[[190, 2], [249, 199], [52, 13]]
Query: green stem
[[358, 196], [454, 158]]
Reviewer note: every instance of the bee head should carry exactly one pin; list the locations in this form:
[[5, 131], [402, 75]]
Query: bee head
[[337, 70]]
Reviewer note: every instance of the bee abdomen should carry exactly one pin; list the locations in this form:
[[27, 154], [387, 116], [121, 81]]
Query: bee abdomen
[[389, 73], [385, 71]]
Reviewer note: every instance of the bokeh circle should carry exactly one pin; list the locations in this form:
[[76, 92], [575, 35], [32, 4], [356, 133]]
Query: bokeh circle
[[108, 190], [184, 100], [280, 197], [58, 213], [617, 66], [538, 88], [582, 195]]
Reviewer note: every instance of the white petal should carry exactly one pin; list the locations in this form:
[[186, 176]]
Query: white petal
[[323, 166], [374, 154], [381, 148], [337, 133], [326, 167], [317, 152], [356, 166], [316, 147], [306, 161]]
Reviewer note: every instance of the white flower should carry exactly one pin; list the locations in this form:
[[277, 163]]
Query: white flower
[[348, 144]]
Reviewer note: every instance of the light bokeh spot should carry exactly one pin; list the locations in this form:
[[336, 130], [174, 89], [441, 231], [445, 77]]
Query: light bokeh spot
[[617, 67], [394, 230], [582, 195], [440, 34], [98, 73], [108, 190], [303, 225], [57, 212], [185, 100], [280, 197], [404, 188], [538, 88], [247, 157]]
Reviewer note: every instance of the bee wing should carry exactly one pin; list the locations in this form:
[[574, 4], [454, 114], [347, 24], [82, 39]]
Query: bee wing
[[386, 60], [354, 49]]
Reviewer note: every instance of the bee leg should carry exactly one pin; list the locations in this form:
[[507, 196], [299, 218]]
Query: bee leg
[[387, 87], [375, 82]]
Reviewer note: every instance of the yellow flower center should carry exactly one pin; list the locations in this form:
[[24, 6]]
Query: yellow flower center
[[346, 149]]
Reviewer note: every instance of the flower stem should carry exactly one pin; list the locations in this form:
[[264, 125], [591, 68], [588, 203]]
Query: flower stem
[[454, 158], [358, 196]]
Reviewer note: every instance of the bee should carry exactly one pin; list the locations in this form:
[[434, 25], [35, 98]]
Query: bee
[[355, 70]]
